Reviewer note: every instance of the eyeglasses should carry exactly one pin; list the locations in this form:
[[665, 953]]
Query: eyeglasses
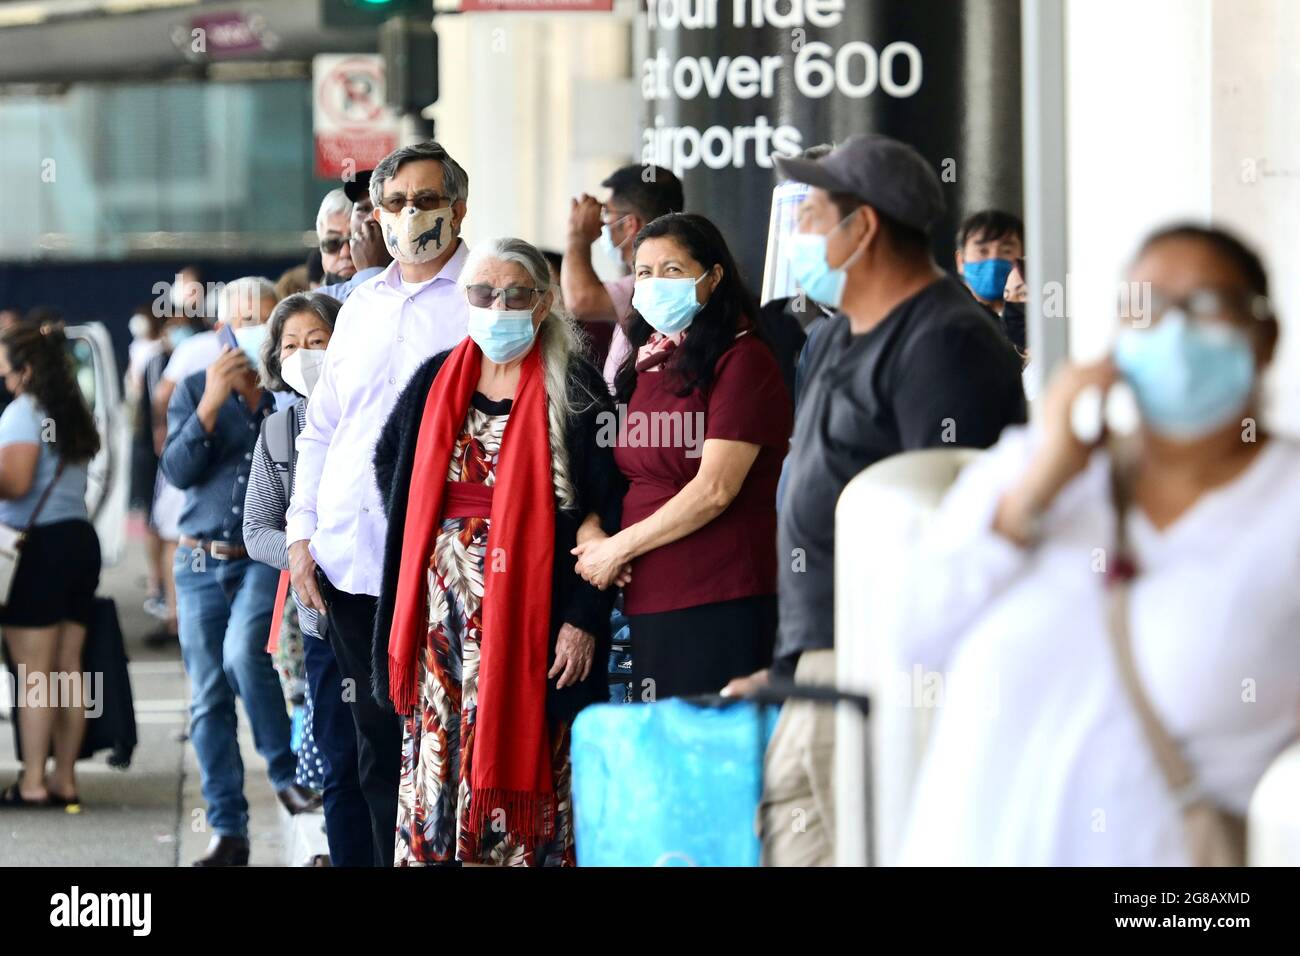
[[1140, 306], [515, 297], [332, 244], [421, 201]]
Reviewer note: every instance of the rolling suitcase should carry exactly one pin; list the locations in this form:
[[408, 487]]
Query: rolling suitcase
[[677, 782], [105, 656], [673, 783]]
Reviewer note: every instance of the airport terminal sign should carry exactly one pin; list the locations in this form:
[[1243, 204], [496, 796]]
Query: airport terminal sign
[[812, 68], [728, 84]]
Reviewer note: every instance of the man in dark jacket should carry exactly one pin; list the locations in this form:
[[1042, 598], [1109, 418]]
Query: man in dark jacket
[[909, 361]]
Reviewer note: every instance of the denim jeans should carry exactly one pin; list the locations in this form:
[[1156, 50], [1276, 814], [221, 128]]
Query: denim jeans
[[224, 611], [347, 818]]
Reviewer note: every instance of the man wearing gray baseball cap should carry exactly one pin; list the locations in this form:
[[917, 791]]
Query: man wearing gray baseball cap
[[910, 360]]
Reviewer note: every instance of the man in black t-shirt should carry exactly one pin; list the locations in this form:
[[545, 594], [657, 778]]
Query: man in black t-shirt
[[909, 361]]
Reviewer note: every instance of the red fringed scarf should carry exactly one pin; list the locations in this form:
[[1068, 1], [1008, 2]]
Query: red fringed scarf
[[511, 763]]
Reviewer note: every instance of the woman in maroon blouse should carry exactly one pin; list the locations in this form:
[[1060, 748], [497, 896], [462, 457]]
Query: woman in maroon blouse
[[702, 426]]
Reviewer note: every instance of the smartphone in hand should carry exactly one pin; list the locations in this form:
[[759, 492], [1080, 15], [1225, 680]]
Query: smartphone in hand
[[226, 336]]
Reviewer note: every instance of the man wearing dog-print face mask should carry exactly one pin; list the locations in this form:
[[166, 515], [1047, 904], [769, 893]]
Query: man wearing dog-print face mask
[[336, 525]]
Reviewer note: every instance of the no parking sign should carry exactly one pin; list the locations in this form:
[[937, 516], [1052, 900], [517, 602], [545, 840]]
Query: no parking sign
[[353, 127]]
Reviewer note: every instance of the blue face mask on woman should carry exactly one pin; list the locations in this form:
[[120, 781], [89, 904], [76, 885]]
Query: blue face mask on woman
[[807, 253], [988, 278], [1189, 378], [669, 305], [502, 334]]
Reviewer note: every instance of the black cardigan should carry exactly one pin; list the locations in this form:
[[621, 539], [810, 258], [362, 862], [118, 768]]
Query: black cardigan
[[598, 487]]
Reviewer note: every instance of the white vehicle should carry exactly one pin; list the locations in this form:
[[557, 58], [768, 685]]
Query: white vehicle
[[109, 485]]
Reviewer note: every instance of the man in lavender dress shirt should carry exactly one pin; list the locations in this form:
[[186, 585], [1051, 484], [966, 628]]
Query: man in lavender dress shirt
[[387, 327]]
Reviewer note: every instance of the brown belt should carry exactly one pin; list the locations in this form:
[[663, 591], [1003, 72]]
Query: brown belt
[[217, 550]]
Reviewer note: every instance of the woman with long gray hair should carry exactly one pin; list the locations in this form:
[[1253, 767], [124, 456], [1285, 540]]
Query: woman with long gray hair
[[487, 642]]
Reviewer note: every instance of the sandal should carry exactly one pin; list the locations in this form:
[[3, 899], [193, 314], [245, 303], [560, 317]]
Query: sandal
[[12, 796], [71, 804]]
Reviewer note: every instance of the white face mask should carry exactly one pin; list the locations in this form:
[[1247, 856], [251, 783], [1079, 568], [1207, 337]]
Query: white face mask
[[139, 326], [302, 369], [415, 236]]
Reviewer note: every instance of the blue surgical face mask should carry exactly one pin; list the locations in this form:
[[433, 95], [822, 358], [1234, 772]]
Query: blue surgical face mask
[[669, 305], [250, 339], [1189, 378], [178, 334], [607, 244], [988, 278], [824, 284], [502, 335]]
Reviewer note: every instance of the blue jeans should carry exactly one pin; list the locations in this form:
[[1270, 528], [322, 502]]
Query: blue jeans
[[224, 610], [347, 818]]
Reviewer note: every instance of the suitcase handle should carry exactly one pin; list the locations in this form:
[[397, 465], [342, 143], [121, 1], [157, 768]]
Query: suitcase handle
[[778, 691]]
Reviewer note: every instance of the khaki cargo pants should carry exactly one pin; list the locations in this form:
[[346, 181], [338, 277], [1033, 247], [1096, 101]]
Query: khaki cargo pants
[[797, 813]]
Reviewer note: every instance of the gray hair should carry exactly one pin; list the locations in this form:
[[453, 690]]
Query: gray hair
[[249, 290], [455, 181], [326, 309], [335, 203], [559, 341]]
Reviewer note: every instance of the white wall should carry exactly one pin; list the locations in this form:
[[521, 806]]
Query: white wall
[[1168, 101], [537, 108], [1137, 139], [1255, 159]]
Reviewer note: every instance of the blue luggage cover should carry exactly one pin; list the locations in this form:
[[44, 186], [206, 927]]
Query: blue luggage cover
[[671, 783]]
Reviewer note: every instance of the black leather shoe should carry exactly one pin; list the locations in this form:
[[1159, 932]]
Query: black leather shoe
[[225, 851], [298, 799]]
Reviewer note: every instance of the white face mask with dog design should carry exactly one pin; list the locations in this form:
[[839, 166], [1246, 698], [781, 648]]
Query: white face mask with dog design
[[415, 236]]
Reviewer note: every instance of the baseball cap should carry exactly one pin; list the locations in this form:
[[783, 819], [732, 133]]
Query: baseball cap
[[881, 171], [359, 187]]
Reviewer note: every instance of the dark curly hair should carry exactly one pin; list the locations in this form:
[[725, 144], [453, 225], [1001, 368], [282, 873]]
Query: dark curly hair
[[731, 307], [42, 351], [1227, 245]]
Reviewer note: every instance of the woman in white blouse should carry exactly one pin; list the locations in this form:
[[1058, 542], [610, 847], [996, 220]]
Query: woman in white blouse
[[1040, 759]]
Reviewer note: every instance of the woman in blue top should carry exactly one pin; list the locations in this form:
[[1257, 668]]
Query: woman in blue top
[[47, 439]]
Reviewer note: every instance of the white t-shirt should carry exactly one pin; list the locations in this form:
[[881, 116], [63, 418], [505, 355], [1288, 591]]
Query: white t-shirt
[[195, 354], [1036, 756]]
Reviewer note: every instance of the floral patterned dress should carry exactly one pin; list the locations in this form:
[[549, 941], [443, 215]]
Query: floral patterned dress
[[433, 799]]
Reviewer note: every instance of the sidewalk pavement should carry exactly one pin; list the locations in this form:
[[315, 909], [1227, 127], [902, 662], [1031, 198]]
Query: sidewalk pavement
[[151, 814]]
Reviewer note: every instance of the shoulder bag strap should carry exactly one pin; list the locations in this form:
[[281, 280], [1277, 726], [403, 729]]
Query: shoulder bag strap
[[45, 495], [1177, 772], [291, 431]]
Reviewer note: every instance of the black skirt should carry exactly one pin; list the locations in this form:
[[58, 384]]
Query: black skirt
[[696, 650], [58, 572]]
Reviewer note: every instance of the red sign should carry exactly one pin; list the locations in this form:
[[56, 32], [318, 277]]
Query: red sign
[[537, 6], [353, 126]]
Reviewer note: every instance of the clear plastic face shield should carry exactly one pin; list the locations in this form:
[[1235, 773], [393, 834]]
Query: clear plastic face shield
[[778, 280]]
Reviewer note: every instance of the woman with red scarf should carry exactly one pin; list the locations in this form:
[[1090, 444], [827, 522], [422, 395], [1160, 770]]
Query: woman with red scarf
[[487, 642]]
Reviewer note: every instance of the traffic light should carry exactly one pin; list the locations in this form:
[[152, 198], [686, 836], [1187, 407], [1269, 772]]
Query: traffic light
[[345, 14], [410, 51]]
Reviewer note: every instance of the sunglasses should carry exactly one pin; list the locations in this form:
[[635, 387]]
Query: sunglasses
[[515, 297], [1141, 306], [422, 201], [333, 244]]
